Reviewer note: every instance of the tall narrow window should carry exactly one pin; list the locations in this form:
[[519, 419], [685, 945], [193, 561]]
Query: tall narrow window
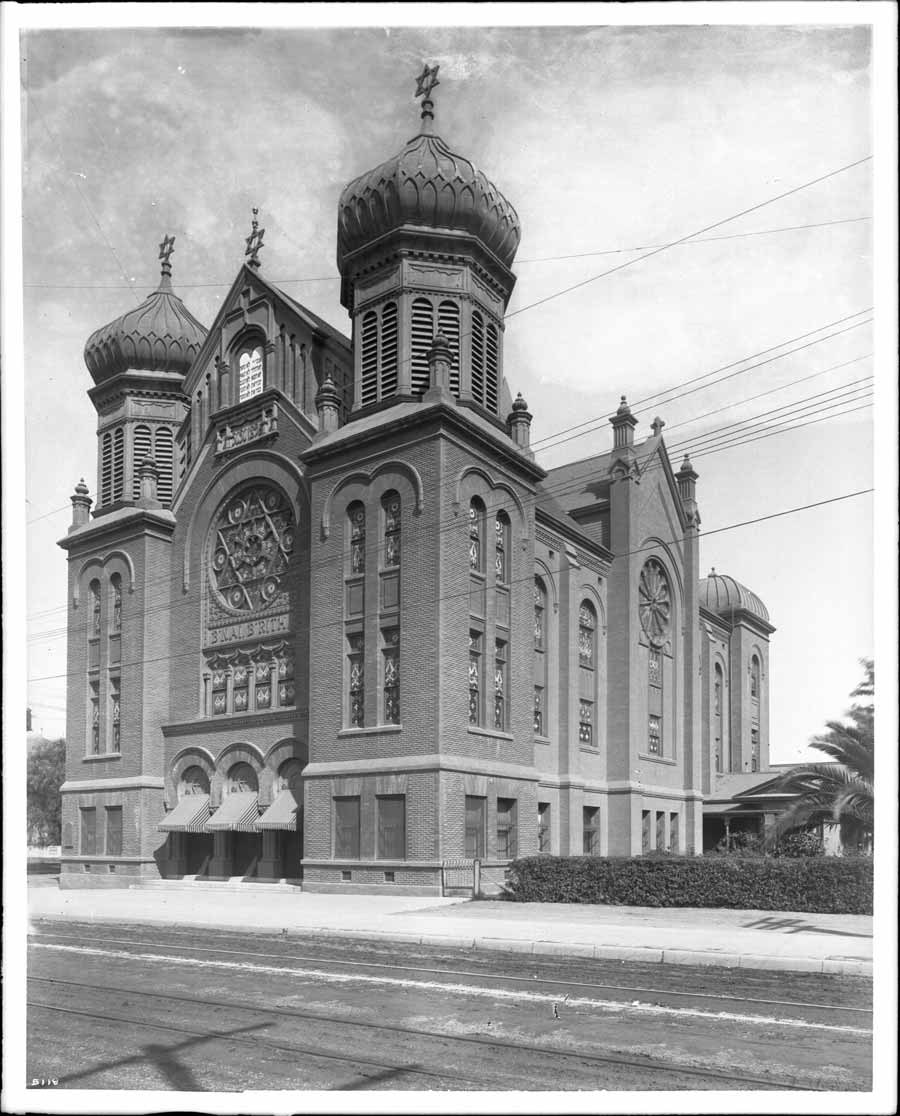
[[476, 816], [164, 455], [369, 359], [475, 655], [477, 346], [389, 350], [115, 613], [106, 469], [655, 701], [95, 718], [506, 829], [356, 696], [754, 749], [587, 657], [448, 325], [113, 830], [95, 609], [346, 827], [391, 506], [476, 535], [118, 476], [250, 373], [219, 692], [540, 657], [492, 369], [391, 654], [718, 688], [356, 513], [501, 684], [590, 825], [240, 693], [754, 678], [501, 548], [143, 448], [115, 740], [284, 670], [391, 810], [543, 827], [422, 335], [88, 830]]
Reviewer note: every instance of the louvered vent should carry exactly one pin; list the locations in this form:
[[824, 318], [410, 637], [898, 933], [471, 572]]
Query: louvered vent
[[106, 470], [389, 350], [422, 336], [143, 448], [492, 370], [118, 481], [478, 358], [448, 324], [369, 358], [164, 456]]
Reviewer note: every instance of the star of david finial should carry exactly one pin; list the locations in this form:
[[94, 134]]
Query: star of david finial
[[425, 82], [166, 248], [254, 241], [656, 426]]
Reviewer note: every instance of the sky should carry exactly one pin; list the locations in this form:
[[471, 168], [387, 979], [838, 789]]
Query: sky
[[610, 141]]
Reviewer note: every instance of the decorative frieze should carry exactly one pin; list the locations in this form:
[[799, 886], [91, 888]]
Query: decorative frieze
[[263, 426]]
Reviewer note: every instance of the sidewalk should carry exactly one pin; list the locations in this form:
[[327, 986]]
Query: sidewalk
[[688, 936]]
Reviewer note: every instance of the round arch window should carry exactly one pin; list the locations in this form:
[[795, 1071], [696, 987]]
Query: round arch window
[[242, 777], [655, 602], [251, 545], [194, 780]]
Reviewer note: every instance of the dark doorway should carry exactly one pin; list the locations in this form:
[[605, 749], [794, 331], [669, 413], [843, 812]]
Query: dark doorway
[[198, 847], [244, 851]]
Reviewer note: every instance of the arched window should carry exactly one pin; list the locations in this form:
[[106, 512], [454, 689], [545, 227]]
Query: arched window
[[540, 655], [389, 350], [115, 720], [143, 448], [421, 337], [250, 373], [476, 535], [193, 781], [587, 658], [718, 707], [501, 548], [391, 676], [164, 459], [369, 359], [477, 343], [95, 609], [251, 545], [754, 678], [492, 369], [448, 325], [118, 470], [390, 504], [356, 516], [241, 779], [290, 777], [115, 601], [106, 469]]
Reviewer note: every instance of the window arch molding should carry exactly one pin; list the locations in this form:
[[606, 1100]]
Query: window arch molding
[[194, 755], [467, 487], [657, 551], [364, 482], [248, 339]]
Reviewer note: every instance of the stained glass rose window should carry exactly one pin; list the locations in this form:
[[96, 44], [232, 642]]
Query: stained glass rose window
[[252, 547], [655, 602]]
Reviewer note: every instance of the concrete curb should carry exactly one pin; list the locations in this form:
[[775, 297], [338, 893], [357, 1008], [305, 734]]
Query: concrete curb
[[837, 966]]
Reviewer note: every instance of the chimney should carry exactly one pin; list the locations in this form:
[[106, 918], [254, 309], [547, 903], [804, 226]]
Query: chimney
[[81, 505], [623, 424], [328, 405], [518, 422]]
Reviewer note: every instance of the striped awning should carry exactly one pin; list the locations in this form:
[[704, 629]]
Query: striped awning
[[239, 813], [282, 814], [189, 816]]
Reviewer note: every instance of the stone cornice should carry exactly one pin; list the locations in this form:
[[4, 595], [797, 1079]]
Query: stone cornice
[[139, 522], [595, 557], [232, 722], [114, 782], [435, 761]]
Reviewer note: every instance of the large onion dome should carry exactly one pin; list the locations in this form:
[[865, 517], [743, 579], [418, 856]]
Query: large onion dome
[[160, 335], [723, 595], [429, 186]]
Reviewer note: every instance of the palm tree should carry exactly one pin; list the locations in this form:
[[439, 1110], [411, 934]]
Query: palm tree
[[842, 791]]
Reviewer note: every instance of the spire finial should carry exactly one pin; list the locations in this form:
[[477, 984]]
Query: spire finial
[[426, 81], [656, 426], [254, 241], [166, 248]]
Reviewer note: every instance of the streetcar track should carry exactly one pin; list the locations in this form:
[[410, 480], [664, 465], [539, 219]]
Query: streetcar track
[[412, 968], [635, 1062]]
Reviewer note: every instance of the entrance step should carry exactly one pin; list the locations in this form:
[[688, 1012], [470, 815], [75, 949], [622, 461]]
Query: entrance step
[[236, 885]]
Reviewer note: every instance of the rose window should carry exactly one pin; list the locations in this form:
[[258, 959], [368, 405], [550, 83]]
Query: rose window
[[655, 602], [254, 540]]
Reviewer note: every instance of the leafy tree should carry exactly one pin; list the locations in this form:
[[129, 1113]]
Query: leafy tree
[[45, 775], [843, 791]]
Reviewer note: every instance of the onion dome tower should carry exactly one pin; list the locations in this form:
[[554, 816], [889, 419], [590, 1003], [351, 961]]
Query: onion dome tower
[[138, 363], [425, 244], [721, 594]]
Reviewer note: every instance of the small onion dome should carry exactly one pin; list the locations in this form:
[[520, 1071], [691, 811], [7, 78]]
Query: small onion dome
[[160, 335], [427, 185], [721, 593]]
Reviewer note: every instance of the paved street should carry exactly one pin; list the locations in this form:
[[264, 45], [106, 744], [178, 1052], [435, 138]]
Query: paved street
[[117, 1006]]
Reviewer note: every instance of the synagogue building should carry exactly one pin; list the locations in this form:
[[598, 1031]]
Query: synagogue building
[[330, 621]]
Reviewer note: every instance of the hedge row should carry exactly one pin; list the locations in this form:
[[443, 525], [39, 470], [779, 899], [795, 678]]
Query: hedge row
[[826, 885]]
